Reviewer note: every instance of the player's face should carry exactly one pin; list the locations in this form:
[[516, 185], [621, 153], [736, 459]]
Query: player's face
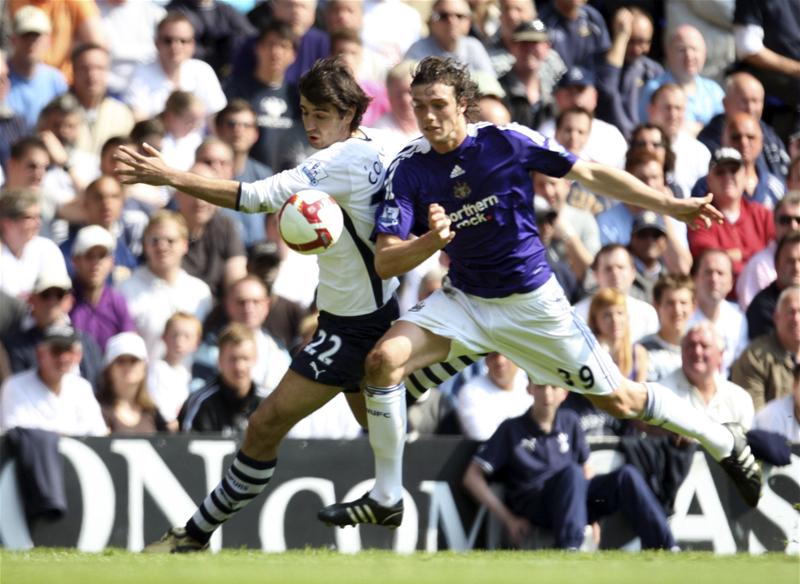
[[675, 308], [715, 277], [236, 362], [323, 124], [439, 116]]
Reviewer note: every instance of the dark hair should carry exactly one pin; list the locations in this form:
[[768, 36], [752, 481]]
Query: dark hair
[[115, 142], [145, 128], [347, 35], [172, 17], [22, 146], [791, 238], [608, 249], [279, 28], [669, 155], [672, 282], [577, 110], [329, 82], [235, 106], [449, 72], [636, 157], [85, 48]]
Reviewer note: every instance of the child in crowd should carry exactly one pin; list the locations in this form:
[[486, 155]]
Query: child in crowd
[[170, 378]]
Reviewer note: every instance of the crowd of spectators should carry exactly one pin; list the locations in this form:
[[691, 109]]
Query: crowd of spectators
[[133, 309]]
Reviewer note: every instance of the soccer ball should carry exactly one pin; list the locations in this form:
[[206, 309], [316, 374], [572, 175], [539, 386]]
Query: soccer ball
[[310, 222]]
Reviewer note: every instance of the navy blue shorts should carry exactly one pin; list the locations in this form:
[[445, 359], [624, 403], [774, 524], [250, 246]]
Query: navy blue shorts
[[335, 355]]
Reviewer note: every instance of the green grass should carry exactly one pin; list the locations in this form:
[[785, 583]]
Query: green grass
[[48, 566]]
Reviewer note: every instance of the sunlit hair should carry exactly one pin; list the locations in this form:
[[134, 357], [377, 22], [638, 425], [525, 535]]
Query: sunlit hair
[[235, 334], [673, 282], [329, 82], [622, 352], [450, 72], [186, 317], [163, 216]]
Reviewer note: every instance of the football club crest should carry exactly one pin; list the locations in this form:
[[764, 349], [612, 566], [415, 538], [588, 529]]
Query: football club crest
[[461, 190]]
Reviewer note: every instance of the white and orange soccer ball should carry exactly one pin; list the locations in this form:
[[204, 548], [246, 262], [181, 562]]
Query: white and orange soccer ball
[[310, 222]]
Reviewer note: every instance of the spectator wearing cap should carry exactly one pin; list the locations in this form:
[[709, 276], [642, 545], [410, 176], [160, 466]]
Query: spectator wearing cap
[[528, 93], [743, 133], [99, 310], [713, 280], [122, 388], [514, 15], [616, 223], [626, 69], [236, 126], [745, 94], [606, 144], [667, 109], [686, 56], [747, 227], [766, 367], [648, 244], [787, 273], [782, 415], [102, 206], [50, 303], [103, 116], [700, 383], [449, 37], [33, 83], [24, 255], [162, 287], [49, 395], [578, 32], [759, 271], [575, 238]]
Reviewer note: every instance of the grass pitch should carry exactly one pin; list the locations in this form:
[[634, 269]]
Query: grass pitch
[[48, 566]]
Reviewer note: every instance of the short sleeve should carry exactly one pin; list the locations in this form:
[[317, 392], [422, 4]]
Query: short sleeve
[[395, 214], [539, 153]]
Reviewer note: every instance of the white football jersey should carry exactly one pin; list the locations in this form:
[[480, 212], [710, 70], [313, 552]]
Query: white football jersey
[[352, 172]]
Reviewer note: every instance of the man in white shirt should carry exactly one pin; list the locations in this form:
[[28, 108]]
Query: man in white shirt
[[699, 382], [160, 288], [50, 397], [486, 400], [613, 268], [713, 278], [782, 415], [667, 108], [151, 84]]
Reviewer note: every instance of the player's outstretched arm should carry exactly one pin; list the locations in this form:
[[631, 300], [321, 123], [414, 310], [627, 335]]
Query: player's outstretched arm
[[134, 168], [620, 185], [395, 256]]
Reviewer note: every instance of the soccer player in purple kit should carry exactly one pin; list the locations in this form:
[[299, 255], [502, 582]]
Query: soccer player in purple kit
[[466, 188]]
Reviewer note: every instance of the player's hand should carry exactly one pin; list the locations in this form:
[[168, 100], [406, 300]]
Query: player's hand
[[439, 224], [696, 212], [518, 528], [134, 167]]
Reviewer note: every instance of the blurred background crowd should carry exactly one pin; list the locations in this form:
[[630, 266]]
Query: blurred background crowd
[[134, 309]]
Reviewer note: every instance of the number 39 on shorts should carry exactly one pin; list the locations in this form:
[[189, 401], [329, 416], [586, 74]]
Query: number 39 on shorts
[[584, 378]]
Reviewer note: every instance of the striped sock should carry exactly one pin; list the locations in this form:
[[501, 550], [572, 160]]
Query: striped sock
[[243, 481]]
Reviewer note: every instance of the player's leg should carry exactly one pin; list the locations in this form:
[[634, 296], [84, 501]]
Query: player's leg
[[625, 490], [541, 333], [254, 463]]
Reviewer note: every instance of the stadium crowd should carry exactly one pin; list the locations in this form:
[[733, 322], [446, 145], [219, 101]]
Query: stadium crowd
[[132, 309]]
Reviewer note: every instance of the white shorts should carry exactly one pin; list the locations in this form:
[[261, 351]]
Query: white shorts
[[537, 330]]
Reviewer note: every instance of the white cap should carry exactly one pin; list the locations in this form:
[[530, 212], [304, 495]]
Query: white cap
[[92, 236], [52, 279], [31, 19], [125, 344]]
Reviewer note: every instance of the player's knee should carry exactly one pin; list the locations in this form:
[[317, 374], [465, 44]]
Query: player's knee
[[379, 363], [264, 427]]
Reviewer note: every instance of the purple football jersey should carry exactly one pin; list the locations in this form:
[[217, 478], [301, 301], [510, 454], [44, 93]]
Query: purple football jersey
[[485, 187]]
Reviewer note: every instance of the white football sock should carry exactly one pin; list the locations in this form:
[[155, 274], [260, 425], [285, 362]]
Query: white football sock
[[666, 409], [386, 422]]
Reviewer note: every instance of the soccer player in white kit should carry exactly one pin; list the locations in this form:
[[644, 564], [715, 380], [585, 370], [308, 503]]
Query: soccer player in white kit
[[356, 305], [466, 188]]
